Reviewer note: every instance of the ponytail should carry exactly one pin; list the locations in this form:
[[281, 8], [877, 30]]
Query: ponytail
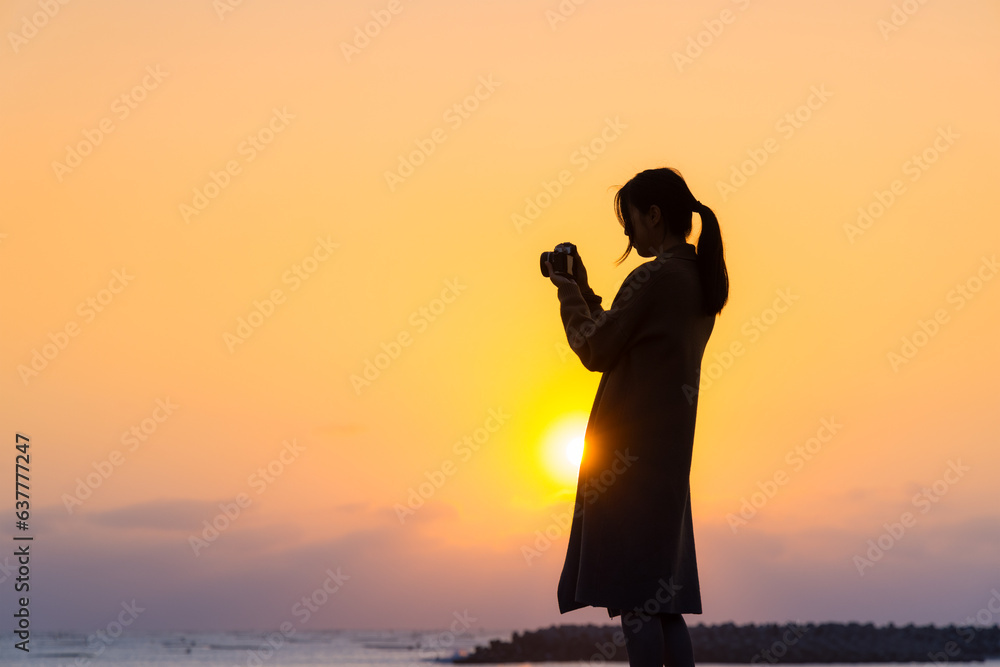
[[711, 261]]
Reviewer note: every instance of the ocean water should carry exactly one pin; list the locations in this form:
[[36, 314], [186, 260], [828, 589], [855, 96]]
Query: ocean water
[[245, 649], [389, 648]]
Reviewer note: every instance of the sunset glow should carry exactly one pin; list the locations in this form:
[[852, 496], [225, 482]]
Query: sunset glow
[[272, 301], [562, 448]]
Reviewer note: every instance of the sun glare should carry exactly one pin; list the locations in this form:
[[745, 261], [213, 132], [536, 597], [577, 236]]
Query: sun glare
[[574, 451], [563, 447]]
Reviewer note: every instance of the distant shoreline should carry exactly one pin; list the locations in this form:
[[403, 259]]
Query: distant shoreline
[[758, 644]]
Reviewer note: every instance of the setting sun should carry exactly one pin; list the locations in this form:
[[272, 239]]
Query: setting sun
[[574, 451], [563, 447]]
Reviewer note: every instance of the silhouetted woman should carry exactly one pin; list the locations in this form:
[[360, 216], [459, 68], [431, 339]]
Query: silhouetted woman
[[631, 545]]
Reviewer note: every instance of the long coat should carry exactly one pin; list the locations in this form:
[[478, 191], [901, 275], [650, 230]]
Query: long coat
[[631, 543]]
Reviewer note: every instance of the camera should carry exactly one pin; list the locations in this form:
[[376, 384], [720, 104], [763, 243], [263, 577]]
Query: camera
[[563, 259]]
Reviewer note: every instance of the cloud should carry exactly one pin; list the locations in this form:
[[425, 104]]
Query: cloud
[[163, 514], [418, 574]]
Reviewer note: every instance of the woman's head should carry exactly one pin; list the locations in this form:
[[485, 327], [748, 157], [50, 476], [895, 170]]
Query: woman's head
[[665, 189]]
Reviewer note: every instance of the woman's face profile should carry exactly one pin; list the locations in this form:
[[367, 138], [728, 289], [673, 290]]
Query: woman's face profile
[[642, 229]]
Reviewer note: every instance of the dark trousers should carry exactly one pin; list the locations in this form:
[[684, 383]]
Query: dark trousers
[[657, 640]]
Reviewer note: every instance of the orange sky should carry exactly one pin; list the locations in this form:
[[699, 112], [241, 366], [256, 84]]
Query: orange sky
[[213, 220]]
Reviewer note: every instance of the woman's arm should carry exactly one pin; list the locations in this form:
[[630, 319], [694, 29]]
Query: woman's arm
[[597, 335], [593, 301]]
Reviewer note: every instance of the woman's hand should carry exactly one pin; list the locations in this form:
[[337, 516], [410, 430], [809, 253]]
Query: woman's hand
[[559, 279]]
